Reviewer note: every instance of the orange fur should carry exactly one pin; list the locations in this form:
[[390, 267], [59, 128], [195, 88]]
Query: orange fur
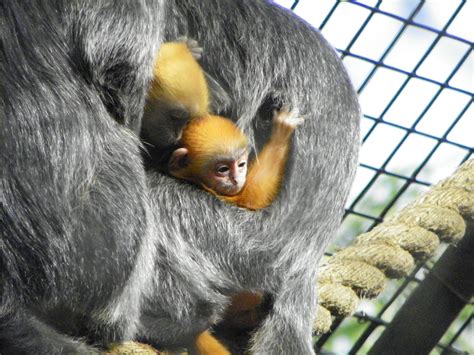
[[210, 136], [180, 79], [206, 344]]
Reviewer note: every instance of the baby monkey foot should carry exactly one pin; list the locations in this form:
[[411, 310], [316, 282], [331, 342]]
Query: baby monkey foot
[[286, 121], [193, 46]]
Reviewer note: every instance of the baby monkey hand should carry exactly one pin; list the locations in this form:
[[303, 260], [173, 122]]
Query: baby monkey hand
[[193, 45], [284, 123]]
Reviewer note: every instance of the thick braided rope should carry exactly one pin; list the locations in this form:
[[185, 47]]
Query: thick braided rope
[[392, 249]]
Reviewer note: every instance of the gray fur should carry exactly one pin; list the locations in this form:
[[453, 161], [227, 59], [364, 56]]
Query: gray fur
[[268, 55], [83, 224], [76, 228]]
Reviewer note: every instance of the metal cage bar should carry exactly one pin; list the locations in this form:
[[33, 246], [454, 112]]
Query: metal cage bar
[[411, 130]]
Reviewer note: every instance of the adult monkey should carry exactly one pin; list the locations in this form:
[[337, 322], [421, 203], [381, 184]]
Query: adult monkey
[[78, 238], [77, 226], [258, 55]]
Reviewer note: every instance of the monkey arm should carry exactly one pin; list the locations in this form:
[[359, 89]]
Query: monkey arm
[[264, 177], [179, 79], [266, 172]]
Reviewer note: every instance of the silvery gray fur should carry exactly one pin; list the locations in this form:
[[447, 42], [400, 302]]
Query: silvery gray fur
[[95, 249]]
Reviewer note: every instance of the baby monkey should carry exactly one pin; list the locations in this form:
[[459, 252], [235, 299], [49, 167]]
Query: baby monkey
[[213, 152]]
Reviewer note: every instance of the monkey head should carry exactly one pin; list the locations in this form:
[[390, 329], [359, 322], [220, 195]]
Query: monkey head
[[213, 154]]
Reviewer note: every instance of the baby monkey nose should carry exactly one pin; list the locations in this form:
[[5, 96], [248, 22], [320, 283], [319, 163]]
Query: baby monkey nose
[[234, 172]]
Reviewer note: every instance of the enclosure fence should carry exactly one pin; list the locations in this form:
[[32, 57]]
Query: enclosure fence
[[415, 86]]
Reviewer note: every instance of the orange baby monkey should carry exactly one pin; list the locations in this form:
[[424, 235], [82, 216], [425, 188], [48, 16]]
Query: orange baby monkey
[[214, 155], [213, 151]]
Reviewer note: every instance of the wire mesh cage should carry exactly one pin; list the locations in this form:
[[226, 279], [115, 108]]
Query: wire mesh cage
[[411, 63]]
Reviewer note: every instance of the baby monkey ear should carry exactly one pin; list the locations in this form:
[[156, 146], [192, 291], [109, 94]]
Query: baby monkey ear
[[179, 159]]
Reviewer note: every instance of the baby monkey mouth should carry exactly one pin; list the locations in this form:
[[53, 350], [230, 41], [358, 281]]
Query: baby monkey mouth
[[230, 189]]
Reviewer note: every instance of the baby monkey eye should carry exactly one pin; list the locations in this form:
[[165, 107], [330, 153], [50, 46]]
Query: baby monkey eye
[[223, 169], [242, 164]]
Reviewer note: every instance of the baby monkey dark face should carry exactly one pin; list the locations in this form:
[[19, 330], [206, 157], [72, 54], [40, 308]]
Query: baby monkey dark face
[[226, 175]]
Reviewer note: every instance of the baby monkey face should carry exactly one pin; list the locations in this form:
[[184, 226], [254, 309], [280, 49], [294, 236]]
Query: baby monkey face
[[226, 175]]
